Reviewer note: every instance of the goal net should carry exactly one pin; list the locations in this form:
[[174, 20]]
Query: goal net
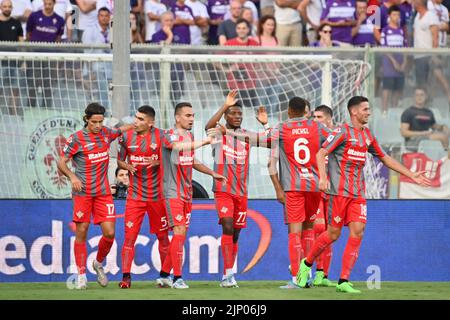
[[43, 96]]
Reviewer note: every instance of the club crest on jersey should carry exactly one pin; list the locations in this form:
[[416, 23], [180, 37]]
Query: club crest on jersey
[[173, 137], [130, 224], [337, 219], [368, 142], [105, 139], [153, 146], [46, 142]]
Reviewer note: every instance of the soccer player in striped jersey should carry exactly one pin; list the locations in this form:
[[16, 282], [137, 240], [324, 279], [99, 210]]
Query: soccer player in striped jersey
[[295, 143], [324, 115], [346, 149], [140, 154], [231, 159], [178, 160], [89, 150]]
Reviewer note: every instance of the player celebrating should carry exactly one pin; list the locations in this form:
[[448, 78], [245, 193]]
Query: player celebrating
[[324, 115], [178, 161], [347, 148], [89, 150], [231, 159], [295, 143], [142, 148]]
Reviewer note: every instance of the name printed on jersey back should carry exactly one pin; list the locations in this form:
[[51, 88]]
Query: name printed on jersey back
[[300, 131]]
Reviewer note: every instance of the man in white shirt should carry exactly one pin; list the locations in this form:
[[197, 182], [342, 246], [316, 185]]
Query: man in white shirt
[[426, 36], [63, 8], [311, 11], [441, 12], [153, 10], [201, 17], [289, 23]]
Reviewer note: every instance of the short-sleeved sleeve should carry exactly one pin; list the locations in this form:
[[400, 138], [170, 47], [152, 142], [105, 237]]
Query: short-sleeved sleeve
[[122, 154], [432, 119], [324, 132], [406, 116], [71, 147], [31, 22], [375, 149], [334, 140], [113, 133], [168, 138]]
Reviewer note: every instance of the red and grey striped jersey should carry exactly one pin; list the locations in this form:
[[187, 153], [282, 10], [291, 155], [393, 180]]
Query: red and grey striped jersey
[[177, 166], [231, 159], [295, 143], [347, 148], [139, 151], [90, 155]]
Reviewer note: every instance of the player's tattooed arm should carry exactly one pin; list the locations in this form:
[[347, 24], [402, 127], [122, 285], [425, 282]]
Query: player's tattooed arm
[[273, 172], [323, 180], [229, 102], [200, 167], [62, 166]]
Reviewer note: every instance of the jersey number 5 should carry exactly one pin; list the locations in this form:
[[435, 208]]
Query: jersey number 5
[[301, 145]]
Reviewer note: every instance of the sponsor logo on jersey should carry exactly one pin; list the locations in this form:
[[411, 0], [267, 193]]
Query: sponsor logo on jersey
[[95, 156], [356, 155], [179, 217], [330, 138], [45, 145], [89, 145], [224, 210]]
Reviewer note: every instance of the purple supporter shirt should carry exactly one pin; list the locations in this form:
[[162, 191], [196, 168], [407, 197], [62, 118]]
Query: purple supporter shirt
[[384, 16], [365, 34], [216, 10], [317, 44], [392, 37], [44, 28], [182, 31], [337, 10], [161, 36]]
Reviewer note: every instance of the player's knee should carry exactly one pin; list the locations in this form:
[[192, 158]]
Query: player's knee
[[227, 226], [236, 235], [162, 236], [334, 233], [180, 230], [319, 228], [110, 234]]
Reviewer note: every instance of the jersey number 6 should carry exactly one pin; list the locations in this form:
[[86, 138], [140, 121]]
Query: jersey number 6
[[301, 145]]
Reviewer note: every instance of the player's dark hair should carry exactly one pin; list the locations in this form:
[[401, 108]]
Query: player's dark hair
[[237, 104], [356, 101], [325, 109], [148, 111], [298, 105], [393, 8], [181, 105], [93, 109], [104, 9]]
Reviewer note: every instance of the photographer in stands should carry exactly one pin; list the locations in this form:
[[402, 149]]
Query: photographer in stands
[[119, 190]]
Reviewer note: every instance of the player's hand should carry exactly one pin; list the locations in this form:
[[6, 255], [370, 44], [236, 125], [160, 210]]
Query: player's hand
[[213, 135], [153, 164], [262, 116], [421, 179], [324, 185], [221, 128], [231, 99], [131, 168], [281, 197], [76, 184], [219, 177]]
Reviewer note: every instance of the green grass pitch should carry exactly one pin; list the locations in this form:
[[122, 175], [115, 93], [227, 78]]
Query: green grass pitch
[[210, 290]]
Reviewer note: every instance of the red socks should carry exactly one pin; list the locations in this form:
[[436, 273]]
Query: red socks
[[320, 244], [176, 253], [128, 252], [227, 251], [104, 246], [350, 256], [326, 256], [163, 245], [295, 251], [80, 252], [318, 230], [307, 241]]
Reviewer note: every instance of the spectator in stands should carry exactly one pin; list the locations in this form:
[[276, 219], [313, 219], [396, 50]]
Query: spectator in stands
[[99, 73], [266, 7], [426, 36], [63, 8], [168, 35], [216, 11], [247, 15], [153, 11], [407, 11], [340, 15], [442, 13], [21, 11], [109, 4], [418, 123], [201, 17], [87, 17], [43, 26], [384, 17], [137, 6], [10, 30], [310, 11], [289, 23], [394, 64], [119, 189], [242, 76], [227, 29], [362, 32], [136, 36], [324, 37], [246, 4], [266, 34], [184, 18]]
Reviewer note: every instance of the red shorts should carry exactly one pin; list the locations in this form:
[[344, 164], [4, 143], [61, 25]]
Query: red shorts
[[231, 206], [301, 206], [101, 207], [178, 212], [323, 208], [343, 210], [135, 211]]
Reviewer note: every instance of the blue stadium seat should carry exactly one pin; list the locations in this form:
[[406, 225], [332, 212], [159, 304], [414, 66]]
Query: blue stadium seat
[[432, 148]]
